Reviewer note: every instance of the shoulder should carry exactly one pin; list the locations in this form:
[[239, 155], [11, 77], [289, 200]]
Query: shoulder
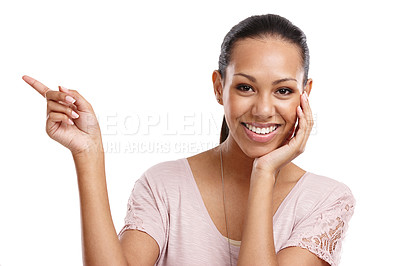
[[168, 173], [167, 168], [322, 192], [323, 185]]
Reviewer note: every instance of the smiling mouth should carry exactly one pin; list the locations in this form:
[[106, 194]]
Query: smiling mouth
[[261, 130]]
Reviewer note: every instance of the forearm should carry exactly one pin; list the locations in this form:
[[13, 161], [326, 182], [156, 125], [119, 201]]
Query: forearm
[[257, 246], [100, 244]]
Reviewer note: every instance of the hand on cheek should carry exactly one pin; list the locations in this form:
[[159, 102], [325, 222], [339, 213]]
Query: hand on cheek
[[275, 160]]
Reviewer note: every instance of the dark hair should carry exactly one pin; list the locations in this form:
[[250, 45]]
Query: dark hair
[[262, 26]]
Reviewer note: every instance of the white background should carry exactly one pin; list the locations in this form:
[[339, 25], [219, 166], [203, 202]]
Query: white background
[[151, 62]]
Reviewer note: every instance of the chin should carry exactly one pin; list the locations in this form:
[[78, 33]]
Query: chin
[[256, 152]]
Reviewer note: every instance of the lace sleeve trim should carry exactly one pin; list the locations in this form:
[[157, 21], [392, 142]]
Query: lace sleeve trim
[[325, 238]]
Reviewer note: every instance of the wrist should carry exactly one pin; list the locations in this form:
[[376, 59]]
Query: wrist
[[88, 157], [89, 165], [260, 169], [266, 176], [93, 150], [263, 166]]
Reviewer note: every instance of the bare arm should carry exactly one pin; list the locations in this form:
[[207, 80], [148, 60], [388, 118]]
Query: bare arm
[[258, 241], [100, 244], [71, 122]]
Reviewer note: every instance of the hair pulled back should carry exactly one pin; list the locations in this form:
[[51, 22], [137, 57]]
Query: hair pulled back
[[262, 26]]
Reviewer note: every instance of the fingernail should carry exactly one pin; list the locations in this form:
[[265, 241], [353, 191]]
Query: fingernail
[[70, 99], [27, 79], [74, 115], [70, 122]]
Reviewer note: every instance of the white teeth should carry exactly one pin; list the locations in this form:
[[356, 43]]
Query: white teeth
[[262, 131]]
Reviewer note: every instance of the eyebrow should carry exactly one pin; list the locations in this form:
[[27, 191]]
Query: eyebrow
[[253, 79]]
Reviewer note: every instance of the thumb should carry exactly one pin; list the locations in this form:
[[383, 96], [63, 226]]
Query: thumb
[[80, 102]]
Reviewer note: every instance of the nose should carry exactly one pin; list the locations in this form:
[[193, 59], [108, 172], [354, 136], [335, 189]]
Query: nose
[[263, 107]]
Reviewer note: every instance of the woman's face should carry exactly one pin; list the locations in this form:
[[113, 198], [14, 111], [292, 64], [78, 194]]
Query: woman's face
[[260, 92]]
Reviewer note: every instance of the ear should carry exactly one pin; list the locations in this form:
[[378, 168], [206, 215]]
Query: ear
[[308, 86], [218, 86]]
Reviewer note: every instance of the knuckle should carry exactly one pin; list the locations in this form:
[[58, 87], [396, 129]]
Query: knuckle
[[62, 96]]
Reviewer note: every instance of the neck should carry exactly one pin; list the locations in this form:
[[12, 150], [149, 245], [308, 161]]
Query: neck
[[237, 165]]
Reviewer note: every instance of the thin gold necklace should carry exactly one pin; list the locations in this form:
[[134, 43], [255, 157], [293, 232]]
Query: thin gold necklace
[[223, 192]]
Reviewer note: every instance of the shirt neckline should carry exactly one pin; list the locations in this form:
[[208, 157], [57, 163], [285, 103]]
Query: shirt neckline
[[207, 216]]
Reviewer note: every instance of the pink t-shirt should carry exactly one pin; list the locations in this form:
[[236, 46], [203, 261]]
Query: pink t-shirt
[[166, 204]]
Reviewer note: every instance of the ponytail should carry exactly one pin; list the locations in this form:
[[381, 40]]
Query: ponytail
[[224, 131]]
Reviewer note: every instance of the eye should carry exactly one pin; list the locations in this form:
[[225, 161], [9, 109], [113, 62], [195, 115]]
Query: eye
[[285, 91], [244, 87]]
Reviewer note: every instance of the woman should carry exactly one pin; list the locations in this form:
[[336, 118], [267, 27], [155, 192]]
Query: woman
[[243, 202]]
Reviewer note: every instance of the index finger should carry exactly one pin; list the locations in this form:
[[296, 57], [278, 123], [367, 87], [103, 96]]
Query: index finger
[[39, 87]]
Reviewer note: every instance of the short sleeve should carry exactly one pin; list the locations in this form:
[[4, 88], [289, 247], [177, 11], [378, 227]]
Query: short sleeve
[[323, 230], [146, 211]]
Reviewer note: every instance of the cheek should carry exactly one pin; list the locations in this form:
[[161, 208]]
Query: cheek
[[232, 110], [235, 107], [230, 104], [288, 111]]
